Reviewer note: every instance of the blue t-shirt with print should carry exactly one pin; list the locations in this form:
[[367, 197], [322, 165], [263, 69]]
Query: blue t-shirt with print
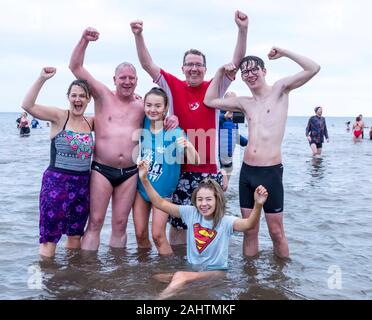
[[164, 156], [207, 247]]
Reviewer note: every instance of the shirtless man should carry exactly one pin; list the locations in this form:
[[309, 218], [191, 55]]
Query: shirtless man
[[118, 114], [267, 113], [186, 102]]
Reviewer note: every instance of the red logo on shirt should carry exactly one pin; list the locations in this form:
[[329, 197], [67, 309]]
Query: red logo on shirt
[[203, 237], [193, 106]]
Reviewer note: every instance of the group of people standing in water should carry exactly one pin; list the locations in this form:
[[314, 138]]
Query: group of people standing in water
[[159, 154], [316, 130], [358, 129], [24, 124]]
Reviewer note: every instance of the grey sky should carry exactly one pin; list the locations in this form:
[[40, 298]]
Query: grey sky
[[336, 34]]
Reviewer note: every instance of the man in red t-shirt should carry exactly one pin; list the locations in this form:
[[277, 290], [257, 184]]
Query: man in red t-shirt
[[200, 122]]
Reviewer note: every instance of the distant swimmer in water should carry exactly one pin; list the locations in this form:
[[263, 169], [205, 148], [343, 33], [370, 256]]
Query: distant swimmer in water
[[348, 125], [24, 125], [35, 123], [316, 130], [358, 129], [229, 137], [18, 120], [64, 195]]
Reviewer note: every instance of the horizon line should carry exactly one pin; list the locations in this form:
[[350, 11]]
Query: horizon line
[[353, 116]]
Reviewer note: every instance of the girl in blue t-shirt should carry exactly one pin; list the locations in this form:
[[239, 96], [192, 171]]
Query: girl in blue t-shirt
[[208, 229], [164, 151]]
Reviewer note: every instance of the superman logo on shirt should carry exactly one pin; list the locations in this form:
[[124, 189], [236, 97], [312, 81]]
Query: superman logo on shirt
[[203, 237]]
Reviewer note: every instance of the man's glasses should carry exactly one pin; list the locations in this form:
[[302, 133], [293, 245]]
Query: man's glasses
[[191, 65], [254, 71]]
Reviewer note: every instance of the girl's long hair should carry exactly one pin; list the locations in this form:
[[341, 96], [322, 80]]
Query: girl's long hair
[[219, 195]]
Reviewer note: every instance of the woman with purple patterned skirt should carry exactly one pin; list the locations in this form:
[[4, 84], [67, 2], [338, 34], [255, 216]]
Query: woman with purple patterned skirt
[[64, 195]]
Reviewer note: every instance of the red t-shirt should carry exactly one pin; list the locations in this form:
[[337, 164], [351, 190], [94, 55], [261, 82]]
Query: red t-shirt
[[199, 121]]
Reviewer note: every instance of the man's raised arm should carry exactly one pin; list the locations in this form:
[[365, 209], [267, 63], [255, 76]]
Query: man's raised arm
[[77, 59], [212, 96], [143, 54], [241, 20], [310, 68]]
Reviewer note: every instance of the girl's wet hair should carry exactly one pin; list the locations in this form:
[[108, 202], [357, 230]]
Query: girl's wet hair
[[159, 92], [258, 61], [82, 84], [213, 185]]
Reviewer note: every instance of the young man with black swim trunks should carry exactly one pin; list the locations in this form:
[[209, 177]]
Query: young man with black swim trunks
[[266, 113]]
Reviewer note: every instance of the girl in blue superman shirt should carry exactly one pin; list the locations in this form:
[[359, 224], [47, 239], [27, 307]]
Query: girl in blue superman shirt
[[208, 228]]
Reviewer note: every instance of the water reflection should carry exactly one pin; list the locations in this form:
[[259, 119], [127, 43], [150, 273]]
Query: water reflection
[[266, 278], [114, 274], [316, 170], [317, 167], [130, 274], [71, 276]]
